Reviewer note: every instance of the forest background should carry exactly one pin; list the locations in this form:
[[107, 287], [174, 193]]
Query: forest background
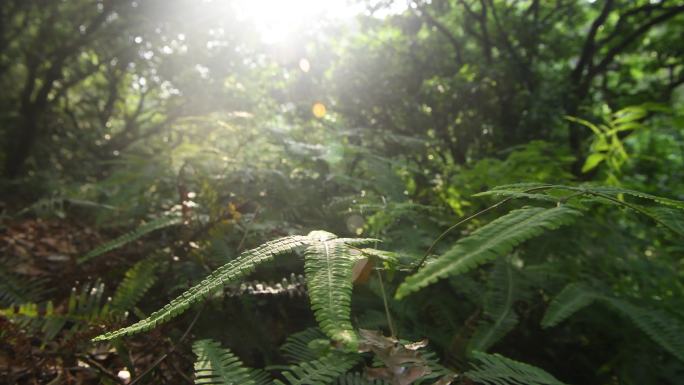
[[145, 143]]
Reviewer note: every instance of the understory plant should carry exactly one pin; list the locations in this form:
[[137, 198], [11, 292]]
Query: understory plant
[[332, 353]]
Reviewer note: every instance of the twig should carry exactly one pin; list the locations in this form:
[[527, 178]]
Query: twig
[[100, 368], [447, 231], [384, 301], [173, 348]]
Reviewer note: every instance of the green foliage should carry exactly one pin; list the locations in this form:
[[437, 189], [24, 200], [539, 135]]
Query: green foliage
[[323, 370], [298, 347], [137, 281], [153, 225], [570, 300], [217, 365], [489, 242], [665, 329], [504, 289], [227, 273], [328, 267], [357, 379], [495, 369]]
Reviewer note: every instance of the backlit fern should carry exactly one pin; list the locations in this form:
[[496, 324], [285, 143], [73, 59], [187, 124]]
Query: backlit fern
[[328, 262], [489, 242]]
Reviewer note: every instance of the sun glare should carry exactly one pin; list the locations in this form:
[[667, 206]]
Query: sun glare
[[279, 20]]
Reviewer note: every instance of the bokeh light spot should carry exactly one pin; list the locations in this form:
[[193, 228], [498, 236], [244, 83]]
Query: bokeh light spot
[[318, 110], [304, 65]]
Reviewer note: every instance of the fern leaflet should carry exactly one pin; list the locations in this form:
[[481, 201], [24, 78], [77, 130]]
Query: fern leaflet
[[495, 369], [571, 299], [135, 284], [489, 242], [498, 308], [298, 347], [328, 268], [156, 224], [324, 370], [219, 366]]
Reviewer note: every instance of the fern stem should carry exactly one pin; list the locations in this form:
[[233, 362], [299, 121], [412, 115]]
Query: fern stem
[[635, 208], [452, 227], [384, 301]]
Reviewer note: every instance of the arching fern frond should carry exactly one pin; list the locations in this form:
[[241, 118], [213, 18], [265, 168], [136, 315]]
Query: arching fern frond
[[504, 290], [324, 370], [495, 369], [570, 300], [156, 224], [229, 272], [137, 281], [489, 242], [219, 366], [515, 190], [663, 328], [328, 268]]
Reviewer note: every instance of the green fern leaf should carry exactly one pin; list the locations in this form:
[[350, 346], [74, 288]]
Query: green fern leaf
[[503, 291], [219, 366], [489, 242], [229, 272], [297, 346], [137, 281], [324, 370], [570, 300], [357, 379], [495, 369], [156, 224], [634, 193], [662, 328], [328, 268]]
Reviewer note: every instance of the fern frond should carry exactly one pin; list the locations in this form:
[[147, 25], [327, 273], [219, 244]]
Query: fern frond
[[358, 379], [503, 291], [634, 193], [229, 272], [297, 346], [495, 369], [137, 281], [219, 366], [489, 242], [517, 195], [518, 188], [664, 329], [670, 218], [328, 268], [156, 224], [324, 370], [16, 289], [570, 300]]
